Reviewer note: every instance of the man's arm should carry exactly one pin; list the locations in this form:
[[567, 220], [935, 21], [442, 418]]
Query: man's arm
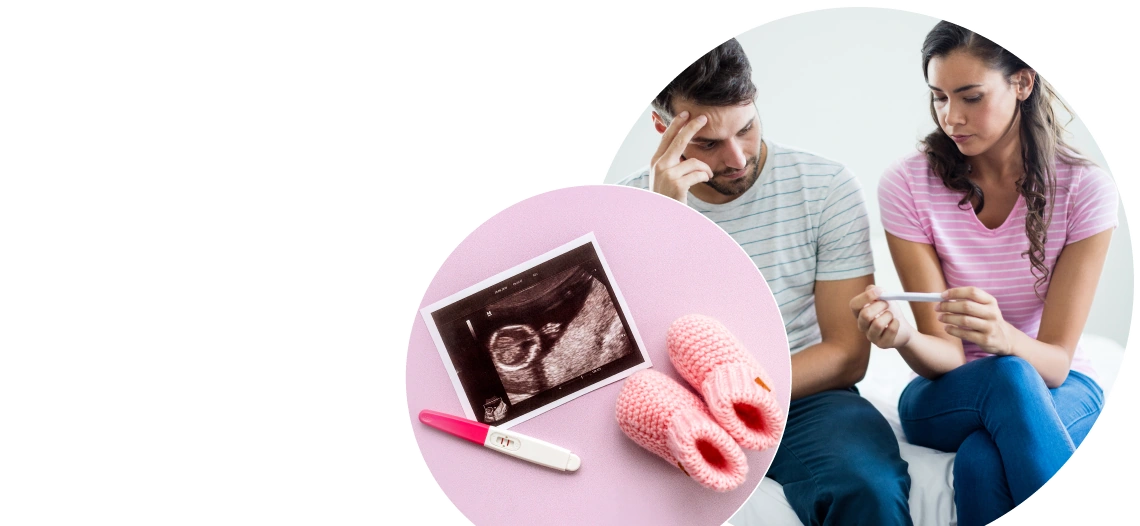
[[840, 360]]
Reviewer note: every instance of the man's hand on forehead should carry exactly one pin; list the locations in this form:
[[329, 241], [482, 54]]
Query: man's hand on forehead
[[673, 174]]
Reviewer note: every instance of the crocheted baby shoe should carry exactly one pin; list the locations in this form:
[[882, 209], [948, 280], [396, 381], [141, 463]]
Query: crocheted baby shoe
[[734, 385], [662, 416]]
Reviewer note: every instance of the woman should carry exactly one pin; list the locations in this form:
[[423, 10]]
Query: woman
[[1012, 226]]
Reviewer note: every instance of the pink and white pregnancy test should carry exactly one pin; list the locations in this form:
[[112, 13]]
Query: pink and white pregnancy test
[[503, 441], [933, 297]]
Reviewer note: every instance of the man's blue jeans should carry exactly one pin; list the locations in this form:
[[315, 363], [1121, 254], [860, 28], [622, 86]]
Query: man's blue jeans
[[1011, 432], [839, 463]]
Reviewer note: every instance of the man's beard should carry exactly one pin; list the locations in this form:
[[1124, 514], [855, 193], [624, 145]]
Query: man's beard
[[736, 187]]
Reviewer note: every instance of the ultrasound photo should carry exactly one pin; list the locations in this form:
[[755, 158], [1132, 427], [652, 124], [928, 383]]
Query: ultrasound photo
[[536, 336], [554, 331]]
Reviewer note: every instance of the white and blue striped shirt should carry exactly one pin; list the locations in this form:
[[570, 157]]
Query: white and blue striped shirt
[[803, 221]]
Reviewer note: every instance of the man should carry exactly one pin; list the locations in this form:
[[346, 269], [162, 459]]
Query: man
[[801, 219]]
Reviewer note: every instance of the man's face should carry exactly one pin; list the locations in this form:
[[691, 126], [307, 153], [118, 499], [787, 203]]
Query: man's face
[[729, 143]]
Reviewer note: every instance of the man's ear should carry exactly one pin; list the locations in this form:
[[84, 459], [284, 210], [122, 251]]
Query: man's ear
[[658, 123]]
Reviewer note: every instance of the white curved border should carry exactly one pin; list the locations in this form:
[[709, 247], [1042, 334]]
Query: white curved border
[[413, 308], [781, 13]]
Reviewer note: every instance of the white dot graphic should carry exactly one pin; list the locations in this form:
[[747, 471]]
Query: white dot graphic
[[266, 255], [310, 444], [504, 119]]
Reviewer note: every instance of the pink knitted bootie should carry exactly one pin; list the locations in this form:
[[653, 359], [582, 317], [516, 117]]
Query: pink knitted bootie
[[664, 417], [734, 385]]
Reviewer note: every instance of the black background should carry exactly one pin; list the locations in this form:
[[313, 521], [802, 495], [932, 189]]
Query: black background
[[380, 203]]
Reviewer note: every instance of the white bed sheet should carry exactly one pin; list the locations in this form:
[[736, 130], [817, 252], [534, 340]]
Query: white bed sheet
[[931, 472]]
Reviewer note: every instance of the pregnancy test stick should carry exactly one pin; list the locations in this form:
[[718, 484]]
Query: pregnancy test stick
[[934, 297], [509, 442]]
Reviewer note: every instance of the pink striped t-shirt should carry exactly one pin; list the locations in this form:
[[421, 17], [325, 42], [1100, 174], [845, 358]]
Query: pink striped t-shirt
[[917, 207]]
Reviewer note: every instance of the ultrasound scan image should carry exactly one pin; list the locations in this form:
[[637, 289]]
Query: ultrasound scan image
[[555, 331]]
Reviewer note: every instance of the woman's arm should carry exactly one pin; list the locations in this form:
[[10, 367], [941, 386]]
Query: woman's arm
[[1067, 304], [1071, 290], [931, 351], [976, 316]]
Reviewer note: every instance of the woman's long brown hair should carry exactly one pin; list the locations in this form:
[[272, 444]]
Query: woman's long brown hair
[[1041, 136]]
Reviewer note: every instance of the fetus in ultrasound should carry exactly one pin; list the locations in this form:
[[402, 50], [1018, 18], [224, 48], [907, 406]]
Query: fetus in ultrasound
[[557, 330], [515, 347]]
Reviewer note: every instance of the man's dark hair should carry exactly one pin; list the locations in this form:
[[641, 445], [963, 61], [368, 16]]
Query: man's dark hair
[[722, 77]]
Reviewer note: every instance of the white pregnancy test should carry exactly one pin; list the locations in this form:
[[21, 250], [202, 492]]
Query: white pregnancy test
[[934, 297], [503, 441]]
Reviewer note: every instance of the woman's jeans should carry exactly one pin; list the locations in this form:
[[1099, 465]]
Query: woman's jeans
[[1011, 432]]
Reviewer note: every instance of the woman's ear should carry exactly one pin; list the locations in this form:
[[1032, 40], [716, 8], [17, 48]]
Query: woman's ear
[[1025, 81], [659, 123]]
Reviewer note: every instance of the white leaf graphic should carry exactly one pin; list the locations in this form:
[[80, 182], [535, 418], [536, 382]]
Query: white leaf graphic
[[219, 96], [398, 96], [194, 401], [194, 483], [102, 267], [135, 162]]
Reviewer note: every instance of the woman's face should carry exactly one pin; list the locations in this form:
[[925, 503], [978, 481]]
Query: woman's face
[[975, 105]]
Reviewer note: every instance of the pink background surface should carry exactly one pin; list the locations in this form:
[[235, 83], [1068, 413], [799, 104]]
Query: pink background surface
[[667, 261]]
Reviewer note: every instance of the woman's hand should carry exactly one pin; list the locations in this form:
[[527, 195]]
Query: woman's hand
[[973, 315], [878, 321]]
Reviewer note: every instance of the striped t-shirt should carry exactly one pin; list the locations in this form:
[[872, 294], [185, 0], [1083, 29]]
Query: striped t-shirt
[[917, 207], [804, 220]]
